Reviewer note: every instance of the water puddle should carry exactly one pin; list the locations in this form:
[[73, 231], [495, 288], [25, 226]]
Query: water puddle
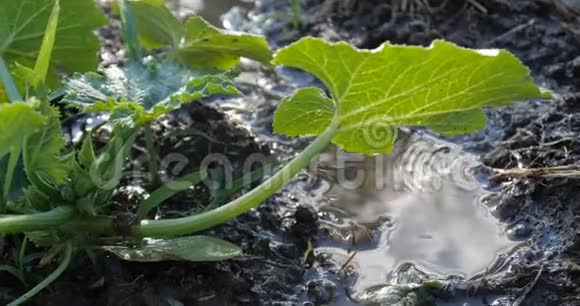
[[418, 208]]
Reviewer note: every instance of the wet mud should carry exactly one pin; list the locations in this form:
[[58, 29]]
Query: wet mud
[[527, 156]]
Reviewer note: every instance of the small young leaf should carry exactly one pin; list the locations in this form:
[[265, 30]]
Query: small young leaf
[[157, 27], [194, 248], [23, 24], [42, 153], [441, 87], [139, 92], [197, 43], [18, 121]]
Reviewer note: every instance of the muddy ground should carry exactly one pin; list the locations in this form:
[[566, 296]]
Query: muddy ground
[[542, 211]]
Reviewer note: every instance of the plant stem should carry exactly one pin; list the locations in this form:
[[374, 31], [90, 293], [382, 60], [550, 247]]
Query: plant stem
[[8, 81], [152, 152], [12, 163], [167, 191], [196, 223], [36, 222], [50, 278], [63, 216]]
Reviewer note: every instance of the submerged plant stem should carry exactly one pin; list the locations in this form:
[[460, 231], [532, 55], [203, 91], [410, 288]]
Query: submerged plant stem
[[50, 278], [196, 223]]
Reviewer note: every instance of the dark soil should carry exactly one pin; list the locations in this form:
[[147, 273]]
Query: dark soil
[[545, 35]]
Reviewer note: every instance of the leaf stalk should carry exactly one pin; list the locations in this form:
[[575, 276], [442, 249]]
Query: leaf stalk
[[206, 220], [8, 81], [49, 279], [36, 222]]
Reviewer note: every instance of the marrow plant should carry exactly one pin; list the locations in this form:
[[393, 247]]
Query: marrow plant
[[57, 195]]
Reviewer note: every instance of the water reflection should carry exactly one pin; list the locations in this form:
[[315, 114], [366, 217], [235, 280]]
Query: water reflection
[[422, 205]]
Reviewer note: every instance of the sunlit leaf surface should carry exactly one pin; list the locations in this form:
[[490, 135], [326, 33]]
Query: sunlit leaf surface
[[442, 87]]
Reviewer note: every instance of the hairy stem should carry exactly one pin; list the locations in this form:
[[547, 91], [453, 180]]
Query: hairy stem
[[152, 155], [196, 223], [36, 222], [50, 278], [8, 81]]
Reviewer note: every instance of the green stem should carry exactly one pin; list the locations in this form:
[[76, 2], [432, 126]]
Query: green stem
[[63, 216], [12, 163], [152, 152], [167, 191], [196, 223], [21, 254], [36, 222], [8, 81], [103, 225], [49, 279]]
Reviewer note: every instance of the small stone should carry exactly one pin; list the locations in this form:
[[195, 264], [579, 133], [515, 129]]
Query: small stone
[[520, 231], [321, 292]]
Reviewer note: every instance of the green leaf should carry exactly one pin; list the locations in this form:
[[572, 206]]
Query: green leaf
[[139, 93], [42, 153], [206, 46], [23, 24], [18, 121], [107, 171], [157, 27], [197, 43], [195, 248], [43, 60], [441, 87], [308, 112]]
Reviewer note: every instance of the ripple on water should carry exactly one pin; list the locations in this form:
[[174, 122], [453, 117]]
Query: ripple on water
[[426, 191]]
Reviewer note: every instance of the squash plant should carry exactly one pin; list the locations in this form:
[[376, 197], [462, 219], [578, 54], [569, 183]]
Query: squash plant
[[58, 197]]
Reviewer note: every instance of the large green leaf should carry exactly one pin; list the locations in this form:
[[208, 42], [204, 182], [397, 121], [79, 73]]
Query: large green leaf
[[18, 121], [139, 92], [441, 87], [194, 248], [22, 27], [197, 43]]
